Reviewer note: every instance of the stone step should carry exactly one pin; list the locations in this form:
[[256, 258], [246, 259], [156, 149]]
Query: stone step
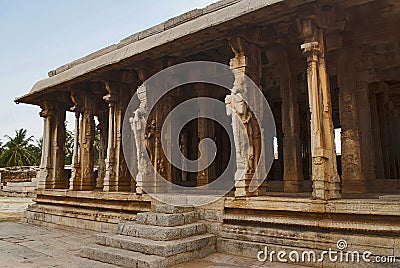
[[159, 248], [162, 219], [171, 209], [127, 258], [122, 257], [161, 232]]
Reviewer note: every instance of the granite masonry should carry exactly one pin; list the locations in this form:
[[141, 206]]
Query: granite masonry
[[324, 66]]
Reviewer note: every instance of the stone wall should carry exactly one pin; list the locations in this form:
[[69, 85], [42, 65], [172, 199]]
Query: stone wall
[[17, 174], [18, 180]]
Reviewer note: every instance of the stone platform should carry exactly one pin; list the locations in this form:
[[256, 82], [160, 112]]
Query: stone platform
[[30, 246], [138, 227], [96, 211], [167, 236], [282, 223]]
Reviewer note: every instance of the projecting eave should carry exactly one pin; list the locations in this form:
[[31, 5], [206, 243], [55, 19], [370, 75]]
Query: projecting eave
[[209, 20]]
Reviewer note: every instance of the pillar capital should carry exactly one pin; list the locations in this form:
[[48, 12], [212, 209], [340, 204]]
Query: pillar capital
[[311, 50], [110, 99], [45, 113]]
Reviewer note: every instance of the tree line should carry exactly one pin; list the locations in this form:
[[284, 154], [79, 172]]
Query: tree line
[[23, 150]]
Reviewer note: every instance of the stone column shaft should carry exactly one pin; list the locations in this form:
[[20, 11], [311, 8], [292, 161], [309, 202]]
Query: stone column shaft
[[87, 150], [324, 172], [353, 180], [44, 175], [205, 130], [82, 175], [293, 170], [117, 176], [75, 180], [110, 160], [60, 180], [103, 127], [52, 174]]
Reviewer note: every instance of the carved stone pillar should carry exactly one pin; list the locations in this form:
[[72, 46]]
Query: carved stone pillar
[[83, 160], [52, 173], [353, 180], [103, 128], [74, 183], [45, 168], [325, 178], [247, 61], [292, 160], [110, 160], [58, 150], [117, 177], [139, 126], [86, 145]]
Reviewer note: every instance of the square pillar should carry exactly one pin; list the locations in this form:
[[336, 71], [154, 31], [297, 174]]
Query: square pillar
[[46, 168], [205, 129], [353, 181], [292, 160], [52, 173]]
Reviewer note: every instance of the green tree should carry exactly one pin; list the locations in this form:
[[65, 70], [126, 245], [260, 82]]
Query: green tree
[[18, 150], [37, 151], [1, 147]]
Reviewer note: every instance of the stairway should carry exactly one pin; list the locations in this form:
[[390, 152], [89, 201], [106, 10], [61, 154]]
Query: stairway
[[166, 236]]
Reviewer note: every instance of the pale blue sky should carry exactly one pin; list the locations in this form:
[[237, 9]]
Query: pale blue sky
[[38, 36]]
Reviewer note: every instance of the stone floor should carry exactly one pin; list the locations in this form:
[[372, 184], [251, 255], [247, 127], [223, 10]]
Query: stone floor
[[219, 260], [24, 245]]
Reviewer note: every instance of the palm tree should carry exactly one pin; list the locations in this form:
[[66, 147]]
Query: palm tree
[[18, 150], [37, 151]]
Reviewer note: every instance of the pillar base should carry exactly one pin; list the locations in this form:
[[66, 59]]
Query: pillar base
[[324, 190], [242, 187], [202, 180], [293, 186], [353, 186]]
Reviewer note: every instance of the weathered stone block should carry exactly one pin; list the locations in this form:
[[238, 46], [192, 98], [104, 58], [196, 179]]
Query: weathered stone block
[[170, 209], [213, 215], [162, 219], [161, 232]]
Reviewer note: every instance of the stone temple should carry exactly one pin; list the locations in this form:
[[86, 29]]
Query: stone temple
[[322, 65]]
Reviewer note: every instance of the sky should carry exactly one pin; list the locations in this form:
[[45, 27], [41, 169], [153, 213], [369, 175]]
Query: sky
[[41, 35]]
